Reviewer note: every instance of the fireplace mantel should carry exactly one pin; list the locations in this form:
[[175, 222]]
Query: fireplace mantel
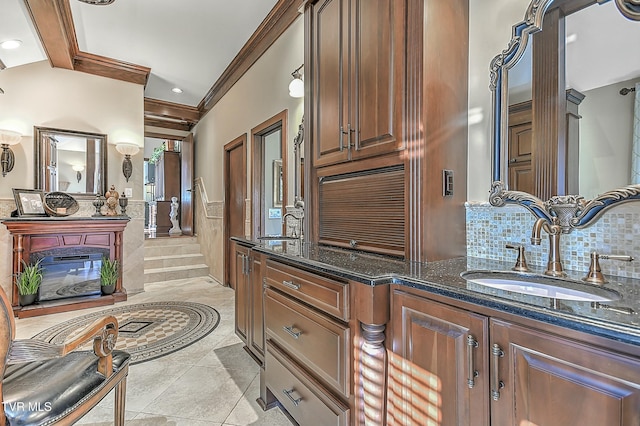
[[36, 234]]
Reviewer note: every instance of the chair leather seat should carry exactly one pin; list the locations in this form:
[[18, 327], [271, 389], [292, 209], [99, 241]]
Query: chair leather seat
[[39, 393]]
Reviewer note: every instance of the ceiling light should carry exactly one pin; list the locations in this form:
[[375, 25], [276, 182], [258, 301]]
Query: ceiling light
[[296, 87], [10, 44], [176, 90]]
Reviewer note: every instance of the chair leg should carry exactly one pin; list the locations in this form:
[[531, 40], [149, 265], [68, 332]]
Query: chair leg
[[121, 395]]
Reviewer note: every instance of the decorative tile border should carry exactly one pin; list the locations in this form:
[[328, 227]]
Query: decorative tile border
[[490, 228]]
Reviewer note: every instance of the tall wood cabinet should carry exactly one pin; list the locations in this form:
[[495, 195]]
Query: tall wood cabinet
[[357, 49], [389, 89], [168, 176]]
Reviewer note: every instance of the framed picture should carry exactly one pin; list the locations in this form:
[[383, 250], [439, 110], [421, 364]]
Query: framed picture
[[277, 183], [30, 202]]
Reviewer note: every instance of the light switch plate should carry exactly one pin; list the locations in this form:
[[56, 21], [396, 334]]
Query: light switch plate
[[128, 192]]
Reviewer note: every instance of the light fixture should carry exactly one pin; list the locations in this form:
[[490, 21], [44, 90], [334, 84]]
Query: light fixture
[[10, 44], [7, 138], [98, 2], [176, 90], [127, 149], [78, 169], [296, 87]]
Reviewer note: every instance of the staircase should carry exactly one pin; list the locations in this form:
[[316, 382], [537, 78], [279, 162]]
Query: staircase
[[174, 258]]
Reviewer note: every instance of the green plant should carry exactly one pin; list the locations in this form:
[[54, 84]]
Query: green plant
[[109, 271], [157, 152], [29, 279]]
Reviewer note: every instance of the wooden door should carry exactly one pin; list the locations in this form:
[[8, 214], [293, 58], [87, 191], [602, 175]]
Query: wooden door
[[377, 76], [186, 185], [235, 177], [433, 347], [241, 278], [553, 381], [330, 50], [520, 168]]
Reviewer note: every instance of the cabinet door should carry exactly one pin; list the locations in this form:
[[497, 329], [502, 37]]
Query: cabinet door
[[377, 76], [256, 330], [553, 381], [330, 49], [432, 362], [242, 291]]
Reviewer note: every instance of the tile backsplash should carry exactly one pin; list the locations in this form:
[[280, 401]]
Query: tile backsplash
[[617, 231]]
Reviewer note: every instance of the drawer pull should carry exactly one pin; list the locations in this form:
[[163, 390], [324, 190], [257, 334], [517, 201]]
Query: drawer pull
[[296, 401], [496, 383], [472, 372], [291, 285], [289, 329]]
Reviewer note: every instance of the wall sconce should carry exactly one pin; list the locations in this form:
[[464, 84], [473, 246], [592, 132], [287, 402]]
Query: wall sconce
[[78, 169], [127, 149], [296, 87], [7, 138]]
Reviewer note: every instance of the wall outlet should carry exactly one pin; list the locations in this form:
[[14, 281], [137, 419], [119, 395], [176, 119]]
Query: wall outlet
[[447, 183], [128, 192]]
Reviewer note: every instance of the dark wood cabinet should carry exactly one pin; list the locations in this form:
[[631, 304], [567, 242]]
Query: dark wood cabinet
[[357, 60], [452, 366], [246, 275], [168, 176], [438, 364], [552, 381]]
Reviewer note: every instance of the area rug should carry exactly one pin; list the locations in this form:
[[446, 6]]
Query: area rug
[[146, 330]]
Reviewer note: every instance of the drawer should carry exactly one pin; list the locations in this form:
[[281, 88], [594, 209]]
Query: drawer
[[303, 398], [317, 342], [328, 295]]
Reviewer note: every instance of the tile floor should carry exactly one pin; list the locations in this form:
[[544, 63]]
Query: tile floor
[[213, 382]]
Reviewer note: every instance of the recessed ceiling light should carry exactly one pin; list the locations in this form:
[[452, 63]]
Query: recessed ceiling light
[[176, 90], [10, 44]]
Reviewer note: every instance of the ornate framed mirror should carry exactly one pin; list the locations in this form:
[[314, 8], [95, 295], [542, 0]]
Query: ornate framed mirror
[[544, 95], [70, 161]]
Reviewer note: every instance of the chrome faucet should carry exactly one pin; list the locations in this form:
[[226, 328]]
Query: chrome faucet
[[554, 265], [298, 218]]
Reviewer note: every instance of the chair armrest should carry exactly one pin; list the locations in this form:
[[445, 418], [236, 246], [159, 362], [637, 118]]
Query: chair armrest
[[103, 331]]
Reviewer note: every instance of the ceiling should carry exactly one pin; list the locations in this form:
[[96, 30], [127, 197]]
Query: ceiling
[[199, 46]]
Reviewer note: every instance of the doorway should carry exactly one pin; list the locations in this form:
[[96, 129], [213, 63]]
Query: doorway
[[235, 189], [269, 172], [169, 175]]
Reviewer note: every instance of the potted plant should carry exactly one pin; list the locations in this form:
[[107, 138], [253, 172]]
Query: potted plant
[[109, 273], [28, 282]]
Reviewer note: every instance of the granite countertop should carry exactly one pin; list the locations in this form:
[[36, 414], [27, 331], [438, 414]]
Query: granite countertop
[[619, 319]]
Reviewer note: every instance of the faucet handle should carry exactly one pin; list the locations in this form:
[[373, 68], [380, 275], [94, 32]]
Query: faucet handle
[[521, 261], [595, 275]]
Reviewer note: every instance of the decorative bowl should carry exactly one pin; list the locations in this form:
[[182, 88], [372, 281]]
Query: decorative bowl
[[60, 204]]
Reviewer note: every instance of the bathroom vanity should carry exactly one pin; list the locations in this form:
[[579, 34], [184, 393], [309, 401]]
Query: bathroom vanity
[[356, 338]]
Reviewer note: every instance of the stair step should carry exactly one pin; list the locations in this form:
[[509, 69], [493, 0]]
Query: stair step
[[175, 272], [169, 241], [156, 251], [154, 262]]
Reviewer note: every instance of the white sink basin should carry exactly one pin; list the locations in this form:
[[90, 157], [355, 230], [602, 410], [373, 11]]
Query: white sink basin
[[541, 286]]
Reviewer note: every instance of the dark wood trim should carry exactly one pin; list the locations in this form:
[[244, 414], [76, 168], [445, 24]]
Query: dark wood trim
[[166, 124], [228, 147], [257, 152], [111, 68], [283, 14], [171, 110], [47, 18]]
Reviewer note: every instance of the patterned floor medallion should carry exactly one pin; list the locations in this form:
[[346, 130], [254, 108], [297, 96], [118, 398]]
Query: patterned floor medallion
[[147, 330]]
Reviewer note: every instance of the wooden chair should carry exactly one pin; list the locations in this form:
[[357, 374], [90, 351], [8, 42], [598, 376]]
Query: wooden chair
[[46, 384]]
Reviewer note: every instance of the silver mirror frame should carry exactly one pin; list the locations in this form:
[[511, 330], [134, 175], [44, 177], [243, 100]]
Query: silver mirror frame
[[41, 168]]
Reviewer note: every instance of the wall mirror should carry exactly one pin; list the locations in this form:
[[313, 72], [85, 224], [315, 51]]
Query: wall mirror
[[70, 161], [561, 124]]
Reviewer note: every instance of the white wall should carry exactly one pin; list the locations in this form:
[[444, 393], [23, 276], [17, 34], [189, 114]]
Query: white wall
[[259, 95], [490, 23]]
